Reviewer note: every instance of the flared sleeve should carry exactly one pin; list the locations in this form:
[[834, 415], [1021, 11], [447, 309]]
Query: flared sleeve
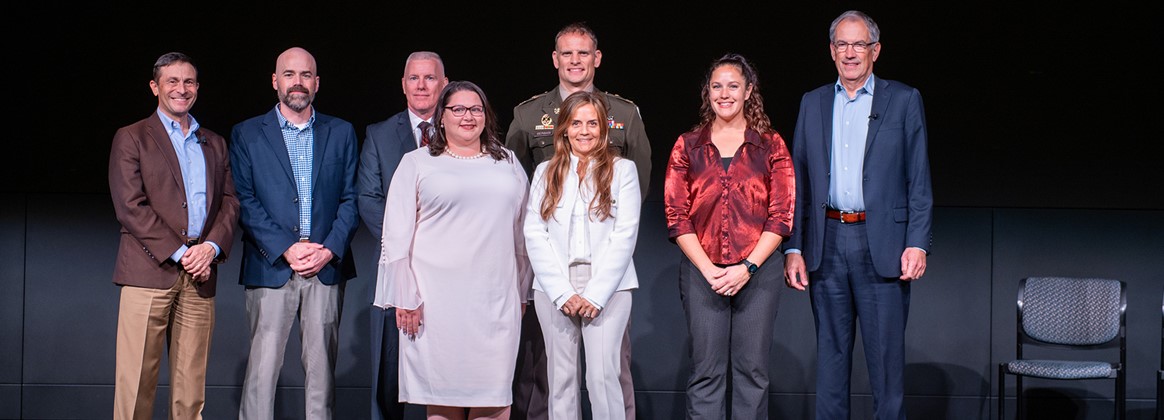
[[396, 285]]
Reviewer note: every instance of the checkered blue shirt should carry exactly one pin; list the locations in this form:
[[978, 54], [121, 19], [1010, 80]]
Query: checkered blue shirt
[[300, 147]]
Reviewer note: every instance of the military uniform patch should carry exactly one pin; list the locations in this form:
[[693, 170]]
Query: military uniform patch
[[610, 123], [547, 123]]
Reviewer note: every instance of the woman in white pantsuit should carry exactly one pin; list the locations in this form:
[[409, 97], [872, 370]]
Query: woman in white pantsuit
[[581, 225]]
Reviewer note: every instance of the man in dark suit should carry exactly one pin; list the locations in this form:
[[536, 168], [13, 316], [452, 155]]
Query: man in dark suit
[[295, 171], [577, 57], [172, 192], [387, 141], [863, 213]]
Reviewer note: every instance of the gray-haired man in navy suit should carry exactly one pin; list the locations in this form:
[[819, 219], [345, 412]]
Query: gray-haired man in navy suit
[[386, 142], [863, 212]]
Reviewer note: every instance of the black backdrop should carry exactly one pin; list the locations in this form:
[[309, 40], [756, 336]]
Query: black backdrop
[[1028, 106]]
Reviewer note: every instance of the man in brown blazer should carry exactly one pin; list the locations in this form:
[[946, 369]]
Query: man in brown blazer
[[173, 193]]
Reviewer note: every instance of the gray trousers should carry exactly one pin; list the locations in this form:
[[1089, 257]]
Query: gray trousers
[[271, 313], [730, 340]]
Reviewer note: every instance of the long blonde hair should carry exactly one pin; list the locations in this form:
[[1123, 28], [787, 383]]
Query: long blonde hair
[[557, 170]]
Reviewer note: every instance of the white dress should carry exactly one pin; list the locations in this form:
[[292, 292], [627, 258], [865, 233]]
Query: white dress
[[453, 242]]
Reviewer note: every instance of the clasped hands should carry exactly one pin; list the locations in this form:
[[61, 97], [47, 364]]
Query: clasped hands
[[307, 258], [197, 260], [726, 281], [577, 305]]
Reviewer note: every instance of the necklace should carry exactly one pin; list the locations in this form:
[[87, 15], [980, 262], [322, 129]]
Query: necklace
[[456, 156]]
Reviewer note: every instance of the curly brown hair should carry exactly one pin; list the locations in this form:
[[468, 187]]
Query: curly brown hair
[[753, 106]]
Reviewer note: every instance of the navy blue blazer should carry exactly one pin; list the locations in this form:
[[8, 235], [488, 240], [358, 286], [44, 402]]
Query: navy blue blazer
[[896, 178], [269, 199], [386, 143]]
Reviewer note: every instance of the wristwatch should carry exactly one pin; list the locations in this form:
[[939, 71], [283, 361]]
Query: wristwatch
[[751, 267]]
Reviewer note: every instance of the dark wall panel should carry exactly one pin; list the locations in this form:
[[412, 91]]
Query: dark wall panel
[[946, 353], [71, 302], [12, 213]]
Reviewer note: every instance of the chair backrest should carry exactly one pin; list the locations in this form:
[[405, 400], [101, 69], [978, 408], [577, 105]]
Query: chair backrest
[[1072, 311]]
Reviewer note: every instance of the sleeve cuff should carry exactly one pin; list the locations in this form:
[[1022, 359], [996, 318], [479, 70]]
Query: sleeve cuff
[[177, 256]]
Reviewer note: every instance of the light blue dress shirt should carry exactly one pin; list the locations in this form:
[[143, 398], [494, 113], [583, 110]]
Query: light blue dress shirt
[[193, 165], [301, 149], [851, 118]]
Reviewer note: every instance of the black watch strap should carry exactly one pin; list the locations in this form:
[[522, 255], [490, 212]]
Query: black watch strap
[[751, 267]]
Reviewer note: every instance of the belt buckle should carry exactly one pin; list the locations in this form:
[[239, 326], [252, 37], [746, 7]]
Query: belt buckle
[[191, 242], [304, 240]]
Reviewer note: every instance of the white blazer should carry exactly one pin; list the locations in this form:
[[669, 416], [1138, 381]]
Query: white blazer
[[612, 241]]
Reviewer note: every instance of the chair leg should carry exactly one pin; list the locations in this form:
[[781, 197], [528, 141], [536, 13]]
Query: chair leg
[[1021, 409], [1121, 394]]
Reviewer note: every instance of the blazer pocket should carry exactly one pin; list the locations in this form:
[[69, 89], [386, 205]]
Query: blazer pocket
[[542, 148], [900, 215], [618, 141]]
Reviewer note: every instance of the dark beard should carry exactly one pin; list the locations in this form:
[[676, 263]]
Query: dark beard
[[297, 105]]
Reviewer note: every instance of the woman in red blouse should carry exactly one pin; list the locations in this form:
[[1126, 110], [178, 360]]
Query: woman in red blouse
[[729, 197]]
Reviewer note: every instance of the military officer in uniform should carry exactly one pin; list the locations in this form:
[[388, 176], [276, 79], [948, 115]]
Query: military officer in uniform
[[576, 56]]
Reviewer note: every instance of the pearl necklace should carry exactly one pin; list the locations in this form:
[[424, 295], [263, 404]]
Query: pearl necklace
[[456, 156]]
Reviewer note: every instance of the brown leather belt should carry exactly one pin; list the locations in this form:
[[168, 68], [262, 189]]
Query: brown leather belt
[[304, 239], [845, 217]]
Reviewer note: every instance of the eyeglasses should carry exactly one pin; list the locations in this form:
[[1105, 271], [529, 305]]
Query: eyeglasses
[[857, 46], [459, 110]]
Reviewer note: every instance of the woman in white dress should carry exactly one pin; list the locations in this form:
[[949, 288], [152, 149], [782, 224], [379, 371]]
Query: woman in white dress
[[581, 225], [454, 264]]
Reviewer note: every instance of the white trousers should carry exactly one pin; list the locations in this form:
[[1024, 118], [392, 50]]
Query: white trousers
[[602, 339]]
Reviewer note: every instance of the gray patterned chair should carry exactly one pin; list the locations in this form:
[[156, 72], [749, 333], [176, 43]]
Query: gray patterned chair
[[1073, 313]]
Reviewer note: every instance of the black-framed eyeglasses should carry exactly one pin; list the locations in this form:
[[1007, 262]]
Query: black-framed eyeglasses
[[459, 110], [859, 46]]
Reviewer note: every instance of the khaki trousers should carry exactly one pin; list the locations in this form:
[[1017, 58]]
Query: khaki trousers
[[144, 320]]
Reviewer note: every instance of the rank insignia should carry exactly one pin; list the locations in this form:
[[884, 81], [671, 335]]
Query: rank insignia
[[547, 123]]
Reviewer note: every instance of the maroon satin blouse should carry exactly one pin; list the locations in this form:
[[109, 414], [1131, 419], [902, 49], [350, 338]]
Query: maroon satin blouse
[[728, 210]]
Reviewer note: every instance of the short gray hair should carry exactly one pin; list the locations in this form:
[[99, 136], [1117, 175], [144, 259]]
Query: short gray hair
[[874, 31]]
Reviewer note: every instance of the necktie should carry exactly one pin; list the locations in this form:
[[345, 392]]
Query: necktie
[[425, 132]]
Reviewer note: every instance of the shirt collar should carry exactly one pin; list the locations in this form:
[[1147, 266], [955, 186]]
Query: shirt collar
[[870, 83], [414, 119], [562, 94], [285, 123], [173, 126]]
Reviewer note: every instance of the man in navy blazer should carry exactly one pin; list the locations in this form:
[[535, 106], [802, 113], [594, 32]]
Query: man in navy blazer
[[386, 143], [295, 171], [863, 211]]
